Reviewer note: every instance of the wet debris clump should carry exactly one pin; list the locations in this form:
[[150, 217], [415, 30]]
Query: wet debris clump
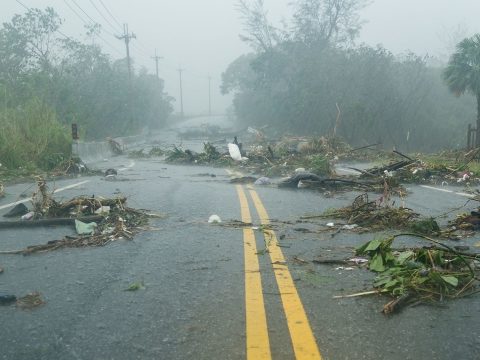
[[210, 155], [425, 275], [373, 214], [30, 301], [112, 218]]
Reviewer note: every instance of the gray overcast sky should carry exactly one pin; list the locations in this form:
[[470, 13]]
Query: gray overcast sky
[[202, 35]]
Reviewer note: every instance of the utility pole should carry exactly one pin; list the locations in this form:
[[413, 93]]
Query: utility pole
[[180, 71], [209, 95], [156, 58], [127, 37]]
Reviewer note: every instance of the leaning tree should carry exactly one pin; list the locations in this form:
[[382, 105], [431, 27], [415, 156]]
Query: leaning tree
[[462, 73]]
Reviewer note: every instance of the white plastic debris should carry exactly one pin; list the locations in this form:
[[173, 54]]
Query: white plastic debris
[[28, 216], [263, 181], [330, 224], [349, 227], [464, 178], [358, 260], [214, 219], [85, 229], [301, 185], [234, 152], [103, 210]]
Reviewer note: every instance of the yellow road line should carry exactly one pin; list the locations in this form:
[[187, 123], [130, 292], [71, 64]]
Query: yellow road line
[[258, 344], [303, 340]]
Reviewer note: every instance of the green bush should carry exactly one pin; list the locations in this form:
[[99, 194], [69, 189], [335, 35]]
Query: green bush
[[32, 137]]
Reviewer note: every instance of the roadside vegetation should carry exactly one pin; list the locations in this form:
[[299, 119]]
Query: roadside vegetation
[[48, 81], [310, 76]]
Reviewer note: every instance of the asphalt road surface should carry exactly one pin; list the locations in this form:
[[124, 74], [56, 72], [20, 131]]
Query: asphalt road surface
[[212, 291]]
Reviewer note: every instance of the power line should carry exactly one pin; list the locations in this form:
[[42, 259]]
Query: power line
[[58, 31], [91, 19], [25, 6], [110, 13], [141, 52], [103, 16], [88, 24]]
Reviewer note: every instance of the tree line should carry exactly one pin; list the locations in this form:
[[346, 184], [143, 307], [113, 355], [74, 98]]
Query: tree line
[[310, 77], [48, 81]]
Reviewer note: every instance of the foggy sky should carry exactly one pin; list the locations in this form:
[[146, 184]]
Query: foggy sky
[[202, 36]]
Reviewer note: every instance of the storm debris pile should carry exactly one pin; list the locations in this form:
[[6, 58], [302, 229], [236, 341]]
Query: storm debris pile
[[373, 214], [73, 166], [420, 275], [210, 155], [114, 220], [30, 301]]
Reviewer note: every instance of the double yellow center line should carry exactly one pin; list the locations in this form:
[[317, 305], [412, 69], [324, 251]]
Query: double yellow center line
[[258, 344]]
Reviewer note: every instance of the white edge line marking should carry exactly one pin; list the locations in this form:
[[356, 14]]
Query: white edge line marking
[[448, 191], [129, 166], [55, 191]]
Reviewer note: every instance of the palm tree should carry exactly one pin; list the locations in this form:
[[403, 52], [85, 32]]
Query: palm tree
[[462, 73]]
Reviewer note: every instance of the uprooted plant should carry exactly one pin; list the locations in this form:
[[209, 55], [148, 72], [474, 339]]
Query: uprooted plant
[[420, 275]]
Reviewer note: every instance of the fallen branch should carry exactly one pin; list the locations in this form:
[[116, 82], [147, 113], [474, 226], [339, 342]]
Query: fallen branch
[[403, 155], [397, 304], [365, 293], [364, 147], [48, 222]]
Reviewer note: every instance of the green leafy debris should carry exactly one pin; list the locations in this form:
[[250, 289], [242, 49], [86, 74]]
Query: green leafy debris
[[139, 285], [419, 275]]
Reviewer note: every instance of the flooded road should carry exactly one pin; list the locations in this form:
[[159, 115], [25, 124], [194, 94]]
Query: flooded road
[[216, 291]]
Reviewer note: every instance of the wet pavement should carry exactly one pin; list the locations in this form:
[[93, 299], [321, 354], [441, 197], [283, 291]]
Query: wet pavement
[[193, 305]]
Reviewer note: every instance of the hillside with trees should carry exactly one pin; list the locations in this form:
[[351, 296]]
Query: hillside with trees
[[311, 77], [49, 80]]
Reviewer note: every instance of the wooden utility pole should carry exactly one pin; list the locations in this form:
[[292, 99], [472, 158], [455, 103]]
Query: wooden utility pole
[[127, 37], [209, 95], [180, 71], [156, 58]]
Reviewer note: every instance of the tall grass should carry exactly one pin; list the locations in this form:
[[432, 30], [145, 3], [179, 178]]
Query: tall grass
[[32, 137]]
